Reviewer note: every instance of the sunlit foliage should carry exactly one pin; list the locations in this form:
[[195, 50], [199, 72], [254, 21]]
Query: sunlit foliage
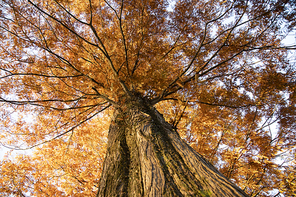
[[217, 70]]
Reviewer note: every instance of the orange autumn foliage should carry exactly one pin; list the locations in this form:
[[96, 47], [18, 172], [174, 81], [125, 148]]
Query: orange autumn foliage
[[217, 70]]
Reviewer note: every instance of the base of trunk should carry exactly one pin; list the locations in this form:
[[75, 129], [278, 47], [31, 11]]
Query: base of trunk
[[147, 157]]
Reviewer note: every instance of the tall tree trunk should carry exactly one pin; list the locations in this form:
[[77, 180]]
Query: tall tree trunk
[[146, 157]]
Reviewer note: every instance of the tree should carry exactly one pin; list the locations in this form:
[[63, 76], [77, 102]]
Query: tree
[[165, 79]]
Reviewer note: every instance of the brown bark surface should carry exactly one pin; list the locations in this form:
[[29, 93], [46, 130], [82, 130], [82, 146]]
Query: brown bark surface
[[147, 157]]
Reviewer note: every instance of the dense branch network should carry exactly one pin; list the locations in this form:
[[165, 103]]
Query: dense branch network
[[77, 62]]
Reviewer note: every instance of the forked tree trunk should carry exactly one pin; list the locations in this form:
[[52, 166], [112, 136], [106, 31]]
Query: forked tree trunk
[[146, 157]]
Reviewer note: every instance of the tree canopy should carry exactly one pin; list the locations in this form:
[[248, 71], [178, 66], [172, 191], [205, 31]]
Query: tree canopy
[[217, 70]]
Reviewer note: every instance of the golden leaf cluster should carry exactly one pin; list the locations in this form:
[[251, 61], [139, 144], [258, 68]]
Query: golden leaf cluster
[[217, 70]]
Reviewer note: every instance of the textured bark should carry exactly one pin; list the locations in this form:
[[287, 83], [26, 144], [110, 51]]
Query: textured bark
[[147, 157]]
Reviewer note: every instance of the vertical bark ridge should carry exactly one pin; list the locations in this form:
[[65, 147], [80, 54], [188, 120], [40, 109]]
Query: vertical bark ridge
[[118, 161], [147, 157]]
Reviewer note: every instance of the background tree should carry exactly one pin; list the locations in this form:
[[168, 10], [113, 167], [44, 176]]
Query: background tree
[[217, 71]]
